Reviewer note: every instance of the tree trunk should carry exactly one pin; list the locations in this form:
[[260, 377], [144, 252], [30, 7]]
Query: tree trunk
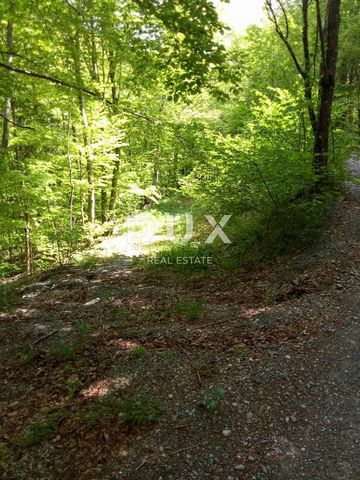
[[89, 163], [7, 110], [87, 144], [94, 62], [327, 85], [114, 183], [27, 245], [116, 169], [103, 205]]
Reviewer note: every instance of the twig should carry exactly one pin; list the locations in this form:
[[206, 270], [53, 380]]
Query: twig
[[198, 376], [273, 199], [45, 336], [184, 449], [143, 462]]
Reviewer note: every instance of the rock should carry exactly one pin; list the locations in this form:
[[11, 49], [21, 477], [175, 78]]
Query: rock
[[92, 302], [293, 418], [14, 405], [240, 467], [226, 433], [251, 459]]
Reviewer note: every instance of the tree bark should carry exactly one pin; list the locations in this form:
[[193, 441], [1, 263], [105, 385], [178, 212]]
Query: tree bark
[[27, 244], [116, 169], [7, 110], [86, 139], [114, 183], [103, 205], [327, 85], [89, 163]]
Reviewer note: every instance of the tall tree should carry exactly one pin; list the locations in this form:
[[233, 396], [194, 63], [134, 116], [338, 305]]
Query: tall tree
[[8, 103], [326, 43]]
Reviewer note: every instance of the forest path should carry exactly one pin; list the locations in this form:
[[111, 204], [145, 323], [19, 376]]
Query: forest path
[[282, 343], [330, 436], [143, 233]]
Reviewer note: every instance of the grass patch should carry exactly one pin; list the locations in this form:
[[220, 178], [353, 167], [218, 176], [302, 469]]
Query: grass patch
[[118, 314], [139, 351], [74, 385], [28, 355], [88, 262], [81, 327], [140, 409], [171, 353], [190, 309], [44, 425], [5, 455], [65, 368], [67, 351]]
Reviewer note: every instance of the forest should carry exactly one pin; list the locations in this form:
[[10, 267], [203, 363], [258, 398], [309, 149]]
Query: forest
[[109, 106], [179, 240]]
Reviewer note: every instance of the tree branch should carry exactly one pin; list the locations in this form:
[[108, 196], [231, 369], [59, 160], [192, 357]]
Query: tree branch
[[15, 124], [51, 79], [273, 199], [320, 30], [15, 54], [307, 60], [69, 4], [285, 18], [64, 83], [273, 18]]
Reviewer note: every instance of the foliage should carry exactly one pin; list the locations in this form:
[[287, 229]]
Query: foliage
[[7, 296], [140, 106], [212, 403]]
